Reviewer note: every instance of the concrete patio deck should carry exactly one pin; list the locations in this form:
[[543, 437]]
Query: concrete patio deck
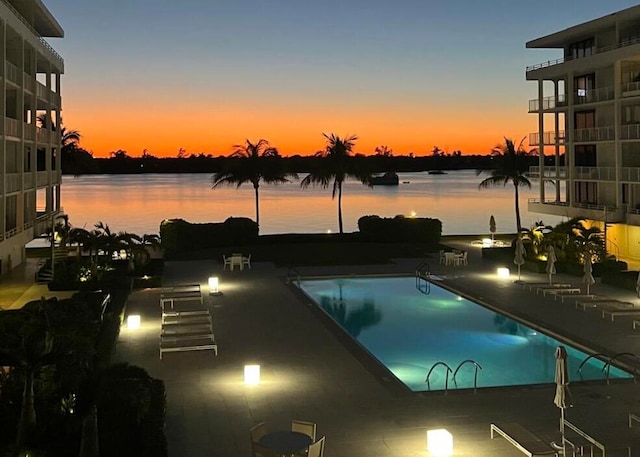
[[308, 374]]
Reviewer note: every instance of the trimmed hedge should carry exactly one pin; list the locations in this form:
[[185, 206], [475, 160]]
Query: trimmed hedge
[[180, 235], [400, 229]]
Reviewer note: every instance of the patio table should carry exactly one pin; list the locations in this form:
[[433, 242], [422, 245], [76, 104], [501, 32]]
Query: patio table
[[285, 442]]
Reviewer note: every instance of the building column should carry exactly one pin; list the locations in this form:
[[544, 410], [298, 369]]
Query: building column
[[541, 137], [568, 140], [556, 126]]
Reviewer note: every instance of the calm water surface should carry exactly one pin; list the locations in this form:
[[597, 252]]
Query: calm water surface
[[138, 203]]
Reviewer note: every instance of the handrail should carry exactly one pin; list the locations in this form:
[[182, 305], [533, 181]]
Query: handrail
[[587, 359], [423, 273], [446, 378], [613, 357], [290, 270], [475, 375]]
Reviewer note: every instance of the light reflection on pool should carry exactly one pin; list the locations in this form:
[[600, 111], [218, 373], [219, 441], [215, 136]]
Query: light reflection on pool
[[409, 332]]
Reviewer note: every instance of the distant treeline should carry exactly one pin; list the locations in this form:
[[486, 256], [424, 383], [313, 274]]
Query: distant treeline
[[124, 164]]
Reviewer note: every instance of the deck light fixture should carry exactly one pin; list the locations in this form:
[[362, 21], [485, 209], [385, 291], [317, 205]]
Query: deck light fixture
[[439, 443], [133, 321], [252, 375], [213, 286], [503, 273]]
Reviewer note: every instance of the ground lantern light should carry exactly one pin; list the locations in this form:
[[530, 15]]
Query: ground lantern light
[[439, 443]]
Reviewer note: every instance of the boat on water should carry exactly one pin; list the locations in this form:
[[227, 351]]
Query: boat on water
[[437, 172], [390, 178]]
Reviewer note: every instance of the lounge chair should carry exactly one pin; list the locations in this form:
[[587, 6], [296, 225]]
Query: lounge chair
[[535, 285], [561, 291], [522, 439], [598, 302], [576, 297], [551, 287], [618, 309]]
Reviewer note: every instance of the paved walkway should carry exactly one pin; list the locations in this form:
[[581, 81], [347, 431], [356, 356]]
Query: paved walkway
[[309, 374]]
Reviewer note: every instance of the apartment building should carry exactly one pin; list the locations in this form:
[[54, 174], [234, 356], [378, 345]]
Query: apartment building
[[588, 112], [30, 173]]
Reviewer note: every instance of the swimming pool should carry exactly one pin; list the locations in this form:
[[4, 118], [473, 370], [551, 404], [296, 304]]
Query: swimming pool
[[409, 332]]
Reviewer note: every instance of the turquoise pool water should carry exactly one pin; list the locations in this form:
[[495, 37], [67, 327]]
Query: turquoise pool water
[[409, 332]]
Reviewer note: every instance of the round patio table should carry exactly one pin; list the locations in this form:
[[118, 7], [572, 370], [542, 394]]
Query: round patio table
[[285, 442]]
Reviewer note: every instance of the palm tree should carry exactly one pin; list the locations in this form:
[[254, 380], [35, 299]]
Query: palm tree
[[255, 162], [69, 139], [336, 166], [511, 167]]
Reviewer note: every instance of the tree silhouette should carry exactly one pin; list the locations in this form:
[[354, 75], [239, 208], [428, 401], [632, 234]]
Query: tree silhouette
[[336, 165], [254, 162], [511, 167]]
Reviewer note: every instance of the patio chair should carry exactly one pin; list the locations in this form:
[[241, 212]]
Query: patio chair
[[442, 256], [227, 262], [308, 428], [247, 261], [256, 432], [461, 259], [316, 449]]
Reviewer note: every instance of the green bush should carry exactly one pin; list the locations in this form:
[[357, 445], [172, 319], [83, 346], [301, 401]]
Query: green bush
[[400, 229], [618, 278], [179, 235], [502, 255]]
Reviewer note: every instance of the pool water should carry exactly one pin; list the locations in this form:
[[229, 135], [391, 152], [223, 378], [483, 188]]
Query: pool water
[[409, 332]]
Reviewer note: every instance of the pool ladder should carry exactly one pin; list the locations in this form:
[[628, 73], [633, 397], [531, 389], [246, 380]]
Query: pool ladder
[[423, 278], [607, 365], [454, 373], [293, 274]]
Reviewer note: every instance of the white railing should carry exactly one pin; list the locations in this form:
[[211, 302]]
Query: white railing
[[549, 138], [547, 202], [630, 132], [550, 172], [10, 127], [549, 63], [595, 173], [547, 103], [630, 89], [594, 134], [43, 43], [630, 174], [601, 94], [11, 72]]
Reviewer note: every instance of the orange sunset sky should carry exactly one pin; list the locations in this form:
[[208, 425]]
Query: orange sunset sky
[[203, 76]]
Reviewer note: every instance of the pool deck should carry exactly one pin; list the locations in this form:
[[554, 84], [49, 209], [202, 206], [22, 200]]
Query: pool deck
[[308, 374]]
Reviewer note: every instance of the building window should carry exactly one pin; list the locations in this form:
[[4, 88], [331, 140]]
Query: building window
[[585, 155], [582, 48], [586, 192], [584, 84], [631, 114], [27, 159], [11, 213], [585, 119]]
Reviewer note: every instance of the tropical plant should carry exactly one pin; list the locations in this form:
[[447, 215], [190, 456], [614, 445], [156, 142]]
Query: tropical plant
[[336, 165], [253, 163], [511, 167]]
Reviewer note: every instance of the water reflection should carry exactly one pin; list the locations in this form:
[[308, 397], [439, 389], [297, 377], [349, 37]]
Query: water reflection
[[353, 320]]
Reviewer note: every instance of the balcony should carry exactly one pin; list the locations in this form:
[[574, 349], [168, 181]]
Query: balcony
[[630, 89], [43, 178], [42, 91], [548, 138], [630, 132], [549, 172], [27, 82], [583, 210], [548, 103], [550, 63], [13, 182], [42, 135], [10, 127], [630, 174], [601, 94], [11, 73], [594, 134], [594, 173]]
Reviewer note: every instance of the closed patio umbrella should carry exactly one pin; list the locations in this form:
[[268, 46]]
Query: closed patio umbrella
[[551, 262], [562, 398], [638, 285], [520, 253], [492, 227], [588, 273]]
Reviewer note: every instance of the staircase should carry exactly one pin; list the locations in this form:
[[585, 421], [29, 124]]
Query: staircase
[[45, 274]]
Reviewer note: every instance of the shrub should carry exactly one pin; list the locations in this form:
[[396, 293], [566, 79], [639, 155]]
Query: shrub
[[400, 229], [179, 235], [623, 279]]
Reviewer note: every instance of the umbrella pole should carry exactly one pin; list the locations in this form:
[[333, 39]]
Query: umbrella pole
[[518, 272], [564, 448]]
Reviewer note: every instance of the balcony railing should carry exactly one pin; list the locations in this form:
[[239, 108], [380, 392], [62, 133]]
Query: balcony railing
[[43, 178], [630, 174], [13, 181], [42, 41], [550, 172], [28, 131], [549, 63], [594, 134], [11, 72], [549, 138], [630, 132], [547, 103], [595, 173], [42, 135], [28, 180], [630, 89], [42, 90], [10, 127], [547, 202], [600, 94]]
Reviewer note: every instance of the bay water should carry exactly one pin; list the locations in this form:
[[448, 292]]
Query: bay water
[[138, 203]]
